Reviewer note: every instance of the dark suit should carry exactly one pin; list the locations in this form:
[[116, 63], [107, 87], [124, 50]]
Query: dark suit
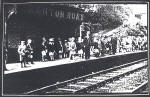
[[114, 44], [30, 52], [86, 43]]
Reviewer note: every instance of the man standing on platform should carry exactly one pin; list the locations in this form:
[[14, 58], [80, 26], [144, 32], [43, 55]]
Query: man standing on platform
[[114, 44], [57, 47], [103, 46], [86, 43], [44, 49], [66, 49], [80, 47], [51, 49], [30, 51], [60, 48]]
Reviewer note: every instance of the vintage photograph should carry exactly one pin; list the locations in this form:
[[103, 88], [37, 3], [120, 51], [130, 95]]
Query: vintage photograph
[[75, 48]]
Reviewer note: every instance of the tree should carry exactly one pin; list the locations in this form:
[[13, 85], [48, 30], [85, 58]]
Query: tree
[[108, 15]]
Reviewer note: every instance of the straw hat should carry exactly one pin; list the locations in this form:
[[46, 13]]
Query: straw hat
[[51, 39], [22, 41], [29, 40]]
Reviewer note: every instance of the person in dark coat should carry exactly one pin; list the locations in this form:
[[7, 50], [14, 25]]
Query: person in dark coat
[[114, 44], [86, 51], [103, 49], [108, 46], [30, 51], [60, 49], [66, 49], [133, 45], [44, 49], [95, 49], [80, 47], [51, 49]]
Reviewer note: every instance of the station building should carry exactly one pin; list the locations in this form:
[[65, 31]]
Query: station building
[[35, 20]]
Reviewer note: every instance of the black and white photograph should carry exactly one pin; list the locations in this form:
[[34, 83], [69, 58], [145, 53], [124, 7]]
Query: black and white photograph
[[75, 48]]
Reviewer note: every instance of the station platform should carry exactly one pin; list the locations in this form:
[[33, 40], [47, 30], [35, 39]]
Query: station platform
[[17, 80], [16, 67]]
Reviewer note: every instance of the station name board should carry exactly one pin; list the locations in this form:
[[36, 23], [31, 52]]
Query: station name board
[[57, 13]]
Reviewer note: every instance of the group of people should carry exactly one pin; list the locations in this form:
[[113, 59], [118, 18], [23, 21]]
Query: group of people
[[104, 45], [109, 45], [133, 43], [25, 50], [68, 48], [77, 47], [52, 49], [112, 45], [49, 49]]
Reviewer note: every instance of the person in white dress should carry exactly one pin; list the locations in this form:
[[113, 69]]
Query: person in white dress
[[72, 48]]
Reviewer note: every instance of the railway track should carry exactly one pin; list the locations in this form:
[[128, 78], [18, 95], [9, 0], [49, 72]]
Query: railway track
[[126, 78], [130, 83]]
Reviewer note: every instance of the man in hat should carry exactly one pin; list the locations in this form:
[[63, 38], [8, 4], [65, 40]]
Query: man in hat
[[22, 53], [80, 47], [58, 48], [87, 46], [66, 49], [51, 48], [44, 49], [30, 51], [114, 44], [103, 46]]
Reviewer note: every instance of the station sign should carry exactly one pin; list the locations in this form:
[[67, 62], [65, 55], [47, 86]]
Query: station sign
[[56, 13]]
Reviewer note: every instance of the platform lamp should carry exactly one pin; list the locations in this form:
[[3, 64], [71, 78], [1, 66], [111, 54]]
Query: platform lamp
[[6, 18]]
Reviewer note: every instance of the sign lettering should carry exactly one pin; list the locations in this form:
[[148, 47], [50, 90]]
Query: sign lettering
[[56, 13]]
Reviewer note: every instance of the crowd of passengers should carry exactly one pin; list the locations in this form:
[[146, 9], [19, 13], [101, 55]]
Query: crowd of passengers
[[82, 48]]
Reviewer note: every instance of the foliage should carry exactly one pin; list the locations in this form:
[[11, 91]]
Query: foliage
[[108, 15]]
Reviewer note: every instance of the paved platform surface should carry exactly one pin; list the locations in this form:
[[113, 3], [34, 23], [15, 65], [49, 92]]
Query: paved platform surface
[[16, 67]]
